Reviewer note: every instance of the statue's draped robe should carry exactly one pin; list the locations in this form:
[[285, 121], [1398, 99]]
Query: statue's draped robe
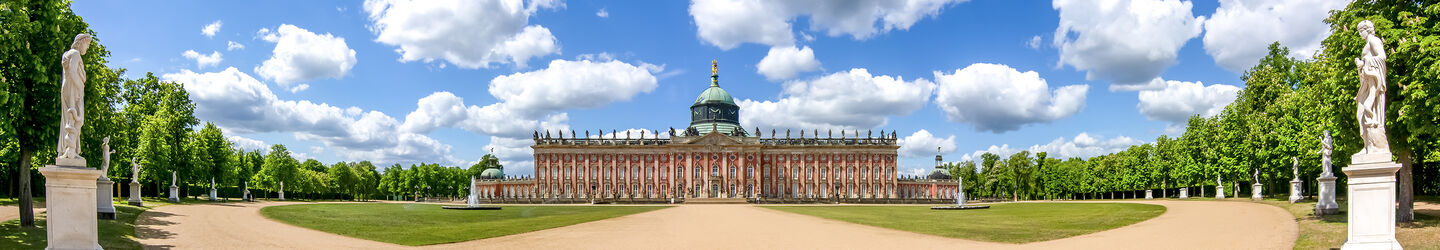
[[1370, 98], [72, 104]]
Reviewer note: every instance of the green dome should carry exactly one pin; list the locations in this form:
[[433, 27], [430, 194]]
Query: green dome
[[715, 94], [493, 173], [938, 174]]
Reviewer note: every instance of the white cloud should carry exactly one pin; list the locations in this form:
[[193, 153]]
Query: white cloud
[[1034, 42], [997, 98], [1126, 42], [232, 45], [728, 23], [1240, 31], [1082, 145], [210, 29], [922, 142], [301, 55], [248, 144], [1180, 100], [783, 63], [602, 13], [240, 103], [843, 100], [533, 101], [469, 34], [203, 61]]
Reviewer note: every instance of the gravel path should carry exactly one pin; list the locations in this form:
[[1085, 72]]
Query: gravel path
[[1185, 225]]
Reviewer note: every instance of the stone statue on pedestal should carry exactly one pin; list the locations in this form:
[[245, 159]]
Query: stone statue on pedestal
[[135, 183], [1325, 204], [174, 189], [1371, 171], [104, 188], [1219, 188], [70, 187]]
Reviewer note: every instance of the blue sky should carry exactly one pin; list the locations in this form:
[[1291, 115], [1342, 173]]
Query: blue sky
[[445, 81]]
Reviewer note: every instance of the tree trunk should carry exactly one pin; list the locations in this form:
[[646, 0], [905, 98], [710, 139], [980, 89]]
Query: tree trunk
[[27, 206], [1405, 188]]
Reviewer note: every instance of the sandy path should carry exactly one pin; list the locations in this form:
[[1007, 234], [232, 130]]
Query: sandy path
[[1186, 224], [1429, 208], [8, 213]]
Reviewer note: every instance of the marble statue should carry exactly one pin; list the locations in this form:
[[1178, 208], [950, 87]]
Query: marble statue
[[1372, 189], [1327, 146], [72, 102], [134, 170], [1219, 188], [1256, 177], [1296, 186], [104, 188], [1296, 166], [105, 155], [1370, 98], [135, 183], [174, 190]]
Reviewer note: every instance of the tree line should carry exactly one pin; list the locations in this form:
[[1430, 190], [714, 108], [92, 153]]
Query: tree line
[[152, 123], [1280, 115]]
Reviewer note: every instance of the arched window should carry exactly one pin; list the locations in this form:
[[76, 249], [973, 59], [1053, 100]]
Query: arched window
[[715, 171]]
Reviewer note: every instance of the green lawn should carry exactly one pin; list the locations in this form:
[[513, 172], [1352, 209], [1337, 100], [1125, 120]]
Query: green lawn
[[1011, 223], [425, 224]]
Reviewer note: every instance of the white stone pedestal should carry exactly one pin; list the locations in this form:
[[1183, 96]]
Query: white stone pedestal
[[1255, 192], [104, 199], [212, 194], [1148, 194], [1219, 192], [174, 193], [1295, 186], [1372, 202], [1326, 204], [1184, 193], [70, 207], [135, 194]]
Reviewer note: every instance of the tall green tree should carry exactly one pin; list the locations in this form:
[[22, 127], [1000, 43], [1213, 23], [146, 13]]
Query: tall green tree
[[33, 33], [279, 168]]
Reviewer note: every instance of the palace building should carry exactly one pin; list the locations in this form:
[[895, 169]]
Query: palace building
[[715, 158]]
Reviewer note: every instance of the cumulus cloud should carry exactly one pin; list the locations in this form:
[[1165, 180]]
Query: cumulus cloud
[[997, 98], [1034, 42], [232, 45], [248, 144], [469, 34], [301, 55], [1082, 145], [1177, 101], [201, 60], [783, 63], [728, 23], [922, 142], [1126, 42], [243, 104], [844, 100], [532, 101], [602, 13], [210, 29], [1240, 31]]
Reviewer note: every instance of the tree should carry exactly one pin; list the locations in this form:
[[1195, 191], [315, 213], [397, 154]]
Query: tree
[[213, 153], [343, 179], [34, 34], [278, 168]]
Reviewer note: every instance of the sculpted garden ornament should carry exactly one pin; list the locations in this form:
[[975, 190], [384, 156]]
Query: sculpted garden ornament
[[1371, 171], [1325, 203], [104, 188], [71, 202], [72, 103]]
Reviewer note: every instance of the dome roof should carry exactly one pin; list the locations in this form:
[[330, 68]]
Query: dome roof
[[493, 173], [715, 94], [938, 174]]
